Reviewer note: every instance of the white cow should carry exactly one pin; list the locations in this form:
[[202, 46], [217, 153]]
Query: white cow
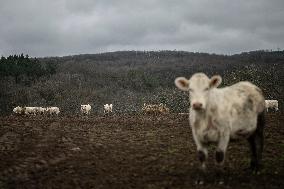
[[45, 110], [86, 109], [271, 104], [107, 108], [53, 110], [31, 110], [220, 114], [41, 110], [18, 110]]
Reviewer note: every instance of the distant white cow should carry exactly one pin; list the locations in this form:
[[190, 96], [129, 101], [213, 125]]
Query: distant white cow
[[107, 108], [31, 110], [271, 104], [86, 109], [18, 110], [53, 110], [41, 110], [45, 111], [220, 114]]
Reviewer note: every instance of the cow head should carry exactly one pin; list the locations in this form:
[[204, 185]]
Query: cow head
[[199, 87]]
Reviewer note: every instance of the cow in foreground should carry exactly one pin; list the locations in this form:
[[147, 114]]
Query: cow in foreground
[[220, 114]]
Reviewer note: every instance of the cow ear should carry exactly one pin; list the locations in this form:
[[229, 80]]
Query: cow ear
[[215, 81], [182, 83]]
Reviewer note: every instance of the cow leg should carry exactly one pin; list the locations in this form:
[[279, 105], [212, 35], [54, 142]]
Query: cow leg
[[220, 154], [202, 152], [222, 146], [202, 155], [256, 144]]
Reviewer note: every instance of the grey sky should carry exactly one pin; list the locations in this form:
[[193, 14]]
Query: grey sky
[[66, 27]]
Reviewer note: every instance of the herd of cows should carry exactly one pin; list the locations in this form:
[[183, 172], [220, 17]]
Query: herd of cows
[[36, 110], [86, 109]]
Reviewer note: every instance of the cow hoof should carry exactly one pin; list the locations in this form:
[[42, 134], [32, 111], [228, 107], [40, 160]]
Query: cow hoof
[[220, 156], [201, 156]]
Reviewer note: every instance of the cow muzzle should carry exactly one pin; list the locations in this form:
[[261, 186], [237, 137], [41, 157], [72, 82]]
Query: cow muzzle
[[197, 106]]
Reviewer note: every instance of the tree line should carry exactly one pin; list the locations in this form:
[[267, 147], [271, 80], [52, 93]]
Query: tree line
[[17, 66], [128, 79]]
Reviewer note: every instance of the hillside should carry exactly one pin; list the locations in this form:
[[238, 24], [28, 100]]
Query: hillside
[[130, 78]]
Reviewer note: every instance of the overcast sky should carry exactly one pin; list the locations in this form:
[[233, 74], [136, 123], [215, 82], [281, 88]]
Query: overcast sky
[[66, 27]]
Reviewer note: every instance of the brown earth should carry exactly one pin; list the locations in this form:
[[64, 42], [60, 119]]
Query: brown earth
[[125, 152]]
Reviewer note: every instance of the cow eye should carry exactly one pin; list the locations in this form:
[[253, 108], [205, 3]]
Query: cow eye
[[206, 89], [190, 90]]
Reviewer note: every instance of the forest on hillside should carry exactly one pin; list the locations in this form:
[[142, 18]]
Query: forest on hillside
[[128, 79]]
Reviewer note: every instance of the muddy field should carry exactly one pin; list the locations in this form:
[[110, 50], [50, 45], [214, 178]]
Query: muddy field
[[125, 152]]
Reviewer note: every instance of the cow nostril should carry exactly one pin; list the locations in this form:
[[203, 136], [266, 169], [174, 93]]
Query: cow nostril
[[197, 106]]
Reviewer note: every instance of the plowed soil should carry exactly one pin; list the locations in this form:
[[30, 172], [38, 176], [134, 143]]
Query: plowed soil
[[138, 151]]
